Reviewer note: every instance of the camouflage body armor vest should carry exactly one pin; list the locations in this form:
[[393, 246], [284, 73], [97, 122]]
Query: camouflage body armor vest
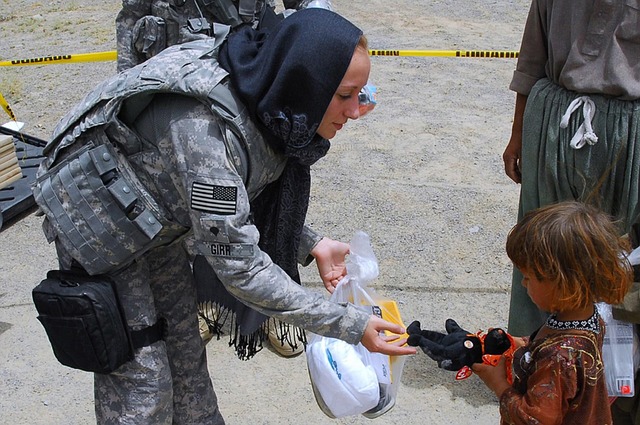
[[96, 207]]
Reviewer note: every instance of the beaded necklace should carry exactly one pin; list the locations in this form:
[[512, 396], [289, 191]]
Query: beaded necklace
[[591, 324]]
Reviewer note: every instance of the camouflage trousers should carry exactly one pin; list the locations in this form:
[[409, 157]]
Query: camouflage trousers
[[167, 382]]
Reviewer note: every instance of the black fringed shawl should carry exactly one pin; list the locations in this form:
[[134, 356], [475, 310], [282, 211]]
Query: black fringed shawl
[[286, 77]]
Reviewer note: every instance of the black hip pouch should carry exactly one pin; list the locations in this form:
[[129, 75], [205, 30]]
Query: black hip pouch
[[85, 323]]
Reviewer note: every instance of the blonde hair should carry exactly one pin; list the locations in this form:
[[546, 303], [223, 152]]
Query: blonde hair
[[576, 249], [363, 43]]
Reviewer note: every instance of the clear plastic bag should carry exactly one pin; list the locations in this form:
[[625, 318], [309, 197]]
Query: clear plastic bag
[[620, 344], [348, 379], [620, 350]]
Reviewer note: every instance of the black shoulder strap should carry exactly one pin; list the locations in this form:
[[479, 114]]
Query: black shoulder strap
[[149, 335]]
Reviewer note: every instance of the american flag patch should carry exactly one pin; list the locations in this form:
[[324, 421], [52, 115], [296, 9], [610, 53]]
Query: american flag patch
[[214, 199]]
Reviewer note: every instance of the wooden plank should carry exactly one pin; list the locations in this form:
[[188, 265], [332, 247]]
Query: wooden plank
[[10, 177], [5, 140], [7, 161], [7, 149]]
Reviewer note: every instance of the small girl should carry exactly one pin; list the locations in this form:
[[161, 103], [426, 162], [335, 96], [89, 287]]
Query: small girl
[[569, 255]]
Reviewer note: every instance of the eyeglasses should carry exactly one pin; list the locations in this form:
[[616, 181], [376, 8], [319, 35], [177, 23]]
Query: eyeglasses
[[367, 99]]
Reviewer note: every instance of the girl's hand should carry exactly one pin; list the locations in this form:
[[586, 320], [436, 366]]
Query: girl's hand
[[520, 341], [330, 259], [494, 377]]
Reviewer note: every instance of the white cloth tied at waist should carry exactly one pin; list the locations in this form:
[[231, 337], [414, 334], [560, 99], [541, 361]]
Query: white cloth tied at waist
[[584, 134]]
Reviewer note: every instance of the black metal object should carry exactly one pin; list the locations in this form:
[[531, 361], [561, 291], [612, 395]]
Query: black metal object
[[17, 198], [32, 140]]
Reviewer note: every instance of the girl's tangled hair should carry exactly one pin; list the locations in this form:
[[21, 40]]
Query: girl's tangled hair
[[576, 248]]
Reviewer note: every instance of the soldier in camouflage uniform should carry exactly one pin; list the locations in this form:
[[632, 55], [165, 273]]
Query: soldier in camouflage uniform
[[146, 27], [181, 156]]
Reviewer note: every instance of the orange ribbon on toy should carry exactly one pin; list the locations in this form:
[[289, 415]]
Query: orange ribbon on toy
[[491, 359]]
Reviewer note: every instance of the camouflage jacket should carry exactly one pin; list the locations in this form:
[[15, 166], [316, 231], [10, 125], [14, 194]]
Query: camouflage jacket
[[186, 148]]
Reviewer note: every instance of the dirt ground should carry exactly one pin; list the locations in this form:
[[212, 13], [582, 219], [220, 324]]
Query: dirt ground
[[422, 175]]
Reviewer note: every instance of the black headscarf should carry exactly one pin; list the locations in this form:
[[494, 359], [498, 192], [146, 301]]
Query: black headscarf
[[286, 77]]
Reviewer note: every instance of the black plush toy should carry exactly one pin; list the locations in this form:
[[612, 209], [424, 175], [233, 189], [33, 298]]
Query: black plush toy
[[458, 349]]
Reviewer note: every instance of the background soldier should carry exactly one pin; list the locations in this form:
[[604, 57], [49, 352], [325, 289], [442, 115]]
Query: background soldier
[[146, 27]]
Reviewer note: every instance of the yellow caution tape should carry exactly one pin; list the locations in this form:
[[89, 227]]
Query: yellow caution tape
[[507, 54], [7, 108], [60, 59], [113, 55]]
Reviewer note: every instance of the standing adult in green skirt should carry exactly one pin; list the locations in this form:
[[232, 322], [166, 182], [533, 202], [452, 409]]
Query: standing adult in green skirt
[[576, 125]]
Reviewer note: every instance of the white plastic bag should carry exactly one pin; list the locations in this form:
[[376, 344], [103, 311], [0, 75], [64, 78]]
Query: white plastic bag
[[343, 382], [348, 379]]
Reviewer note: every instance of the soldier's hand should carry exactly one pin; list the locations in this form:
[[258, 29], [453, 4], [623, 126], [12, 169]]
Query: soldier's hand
[[392, 345], [330, 259]]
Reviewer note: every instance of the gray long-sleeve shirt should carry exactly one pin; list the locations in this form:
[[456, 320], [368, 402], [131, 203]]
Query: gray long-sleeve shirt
[[590, 46]]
